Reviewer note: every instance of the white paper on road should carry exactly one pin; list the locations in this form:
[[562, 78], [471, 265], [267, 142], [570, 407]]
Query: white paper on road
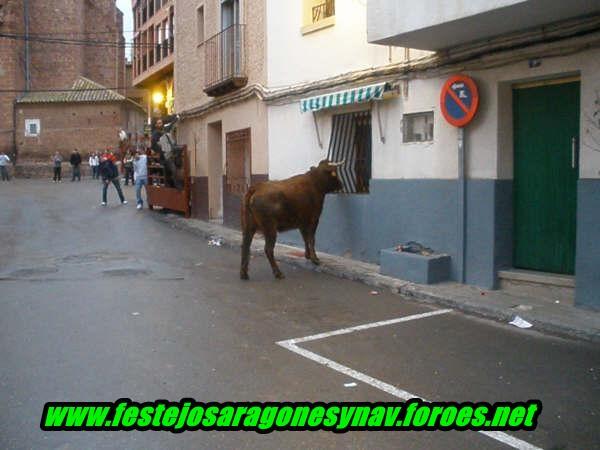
[[521, 323]]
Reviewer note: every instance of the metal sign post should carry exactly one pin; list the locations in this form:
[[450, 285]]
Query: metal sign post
[[462, 202]]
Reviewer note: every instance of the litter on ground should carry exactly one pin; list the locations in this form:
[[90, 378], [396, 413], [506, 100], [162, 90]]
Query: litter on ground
[[521, 323]]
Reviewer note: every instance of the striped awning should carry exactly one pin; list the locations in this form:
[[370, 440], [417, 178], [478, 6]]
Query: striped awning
[[348, 97]]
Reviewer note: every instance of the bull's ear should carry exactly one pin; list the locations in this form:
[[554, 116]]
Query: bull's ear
[[324, 162], [313, 168]]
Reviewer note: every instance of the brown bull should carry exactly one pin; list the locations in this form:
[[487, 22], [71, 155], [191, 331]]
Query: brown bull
[[296, 202]]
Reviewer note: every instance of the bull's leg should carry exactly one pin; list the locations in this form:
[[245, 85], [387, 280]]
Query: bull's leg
[[310, 243], [270, 238], [305, 236], [246, 242]]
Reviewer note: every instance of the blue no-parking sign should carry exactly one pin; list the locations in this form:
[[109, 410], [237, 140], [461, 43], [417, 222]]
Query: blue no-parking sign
[[459, 100]]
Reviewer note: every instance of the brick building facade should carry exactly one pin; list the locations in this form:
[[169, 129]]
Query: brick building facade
[[57, 66], [88, 119]]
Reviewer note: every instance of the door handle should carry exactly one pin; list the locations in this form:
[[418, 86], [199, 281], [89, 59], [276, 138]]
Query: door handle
[[573, 152]]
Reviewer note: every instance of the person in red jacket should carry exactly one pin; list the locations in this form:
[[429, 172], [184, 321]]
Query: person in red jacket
[[110, 174]]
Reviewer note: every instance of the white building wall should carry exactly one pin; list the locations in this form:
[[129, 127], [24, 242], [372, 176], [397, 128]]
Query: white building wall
[[492, 127], [294, 148], [294, 58]]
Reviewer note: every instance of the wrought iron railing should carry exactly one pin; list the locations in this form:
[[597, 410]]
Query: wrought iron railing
[[225, 57], [323, 10]]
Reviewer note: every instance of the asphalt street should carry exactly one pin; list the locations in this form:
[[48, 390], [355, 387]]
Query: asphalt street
[[99, 303]]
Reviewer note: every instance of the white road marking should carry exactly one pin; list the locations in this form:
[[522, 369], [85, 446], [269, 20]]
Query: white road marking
[[366, 326], [290, 344]]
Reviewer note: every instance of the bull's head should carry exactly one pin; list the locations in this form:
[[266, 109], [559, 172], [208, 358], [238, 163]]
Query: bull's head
[[328, 173]]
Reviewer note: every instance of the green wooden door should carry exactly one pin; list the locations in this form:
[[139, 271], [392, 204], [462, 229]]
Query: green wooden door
[[546, 128]]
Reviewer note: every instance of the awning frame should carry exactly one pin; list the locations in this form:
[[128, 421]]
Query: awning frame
[[358, 95]]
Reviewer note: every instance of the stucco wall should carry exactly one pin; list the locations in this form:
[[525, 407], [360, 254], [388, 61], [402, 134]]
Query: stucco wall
[[294, 57], [249, 114], [488, 138]]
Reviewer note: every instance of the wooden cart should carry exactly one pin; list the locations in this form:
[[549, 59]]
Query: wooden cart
[[167, 197]]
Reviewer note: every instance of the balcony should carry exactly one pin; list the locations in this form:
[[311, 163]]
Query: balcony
[[225, 61], [323, 11], [442, 24]]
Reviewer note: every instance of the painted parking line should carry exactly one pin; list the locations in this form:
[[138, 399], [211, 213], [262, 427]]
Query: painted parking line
[[291, 345]]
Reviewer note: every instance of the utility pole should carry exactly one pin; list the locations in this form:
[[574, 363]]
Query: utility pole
[[27, 55]]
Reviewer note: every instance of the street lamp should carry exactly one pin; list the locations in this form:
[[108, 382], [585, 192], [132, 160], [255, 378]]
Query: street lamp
[[158, 98]]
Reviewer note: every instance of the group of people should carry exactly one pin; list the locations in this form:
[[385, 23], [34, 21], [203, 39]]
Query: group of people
[[74, 160], [138, 171], [104, 166]]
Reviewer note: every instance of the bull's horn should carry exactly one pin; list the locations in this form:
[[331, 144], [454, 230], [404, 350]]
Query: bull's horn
[[339, 163]]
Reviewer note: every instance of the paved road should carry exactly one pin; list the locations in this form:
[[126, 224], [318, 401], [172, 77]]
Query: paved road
[[102, 303]]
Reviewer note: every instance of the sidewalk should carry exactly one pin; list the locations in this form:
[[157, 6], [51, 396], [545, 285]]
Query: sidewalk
[[552, 318]]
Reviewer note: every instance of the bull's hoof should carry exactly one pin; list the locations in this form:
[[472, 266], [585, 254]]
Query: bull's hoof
[[244, 276], [279, 275], [315, 261]]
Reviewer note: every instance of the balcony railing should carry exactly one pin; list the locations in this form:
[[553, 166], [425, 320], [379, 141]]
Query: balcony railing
[[323, 10], [225, 61]]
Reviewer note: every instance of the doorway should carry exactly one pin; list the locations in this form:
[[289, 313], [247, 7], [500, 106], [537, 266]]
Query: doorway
[[237, 173], [546, 139], [215, 171]]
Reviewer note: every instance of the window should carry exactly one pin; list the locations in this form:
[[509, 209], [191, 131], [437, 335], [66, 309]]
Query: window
[[144, 11], [32, 127], [317, 14], [351, 142], [158, 40], [200, 24], [323, 10], [417, 127], [166, 35]]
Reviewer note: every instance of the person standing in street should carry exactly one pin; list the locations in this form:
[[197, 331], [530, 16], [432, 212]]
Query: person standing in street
[[4, 161], [94, 162], [57, 162], [128, 163], [110, 174], [75, 164], [140, 168]]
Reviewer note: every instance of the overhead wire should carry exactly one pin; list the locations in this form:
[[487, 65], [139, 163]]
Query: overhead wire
[[88, 42]]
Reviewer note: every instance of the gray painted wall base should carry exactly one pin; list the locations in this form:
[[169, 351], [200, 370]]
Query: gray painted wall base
[[426, 211], [587, 253]]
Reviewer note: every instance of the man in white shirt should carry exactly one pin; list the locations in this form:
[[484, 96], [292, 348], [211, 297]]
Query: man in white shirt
[[4, 161], [94, 162], [140, 172]]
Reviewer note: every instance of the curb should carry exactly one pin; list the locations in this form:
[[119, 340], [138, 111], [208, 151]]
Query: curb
[[368, 274]]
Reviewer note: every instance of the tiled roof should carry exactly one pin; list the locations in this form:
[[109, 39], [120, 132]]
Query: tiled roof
[[83, 90]]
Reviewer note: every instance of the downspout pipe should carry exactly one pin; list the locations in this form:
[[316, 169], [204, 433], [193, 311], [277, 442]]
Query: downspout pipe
[[27, 53], [14, 114]]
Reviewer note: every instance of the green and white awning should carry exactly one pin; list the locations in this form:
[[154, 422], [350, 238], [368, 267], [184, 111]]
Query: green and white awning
[[351, 96]]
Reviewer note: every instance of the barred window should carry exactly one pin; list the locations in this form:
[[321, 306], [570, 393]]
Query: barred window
[[351, 142], [32, 127]]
